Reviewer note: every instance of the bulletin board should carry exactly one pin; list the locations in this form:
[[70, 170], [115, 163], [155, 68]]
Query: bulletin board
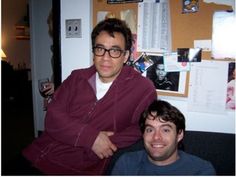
[[185, 28]]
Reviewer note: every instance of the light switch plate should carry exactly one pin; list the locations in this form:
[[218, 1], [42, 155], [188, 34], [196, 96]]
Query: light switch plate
[[73, 28]]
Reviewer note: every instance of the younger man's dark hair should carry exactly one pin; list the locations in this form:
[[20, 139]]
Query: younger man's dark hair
[[164, 111]]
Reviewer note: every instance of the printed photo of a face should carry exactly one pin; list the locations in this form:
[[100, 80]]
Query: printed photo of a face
[[166, 81], [160, 72]]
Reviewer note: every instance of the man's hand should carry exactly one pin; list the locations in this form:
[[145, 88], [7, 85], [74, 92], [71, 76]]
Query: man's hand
[[49, 88], [103, 146]]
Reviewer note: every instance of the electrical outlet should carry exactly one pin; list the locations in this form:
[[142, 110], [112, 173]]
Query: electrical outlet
[[73, 28]]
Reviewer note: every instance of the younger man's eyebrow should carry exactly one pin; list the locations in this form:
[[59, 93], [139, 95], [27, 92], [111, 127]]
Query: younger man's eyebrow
[[148, 125], [167, 125], [163, 125]]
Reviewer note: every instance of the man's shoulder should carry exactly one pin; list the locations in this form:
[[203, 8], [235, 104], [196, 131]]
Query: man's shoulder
[[191, 157], [83, 72], [195, 161]]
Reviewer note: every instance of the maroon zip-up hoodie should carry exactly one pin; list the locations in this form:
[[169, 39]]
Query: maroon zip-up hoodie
[[75, 117]]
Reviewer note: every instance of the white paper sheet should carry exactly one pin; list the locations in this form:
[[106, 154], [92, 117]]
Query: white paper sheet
[[154, 26], [224, 35], [207, 86], [130, 18], [102, 15]]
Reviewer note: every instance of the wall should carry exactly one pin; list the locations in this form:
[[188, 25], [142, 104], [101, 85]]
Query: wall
[[76, 52], [17, 51], [200, 121], [41, 55]]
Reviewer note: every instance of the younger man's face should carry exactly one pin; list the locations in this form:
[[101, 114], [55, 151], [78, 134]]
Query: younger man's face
[[161, 141]]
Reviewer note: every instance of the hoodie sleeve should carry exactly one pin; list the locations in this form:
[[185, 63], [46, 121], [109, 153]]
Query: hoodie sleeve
[[61, 123]]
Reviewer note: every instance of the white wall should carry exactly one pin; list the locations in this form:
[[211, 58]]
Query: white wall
[[76, 52], [200, 121], [40, 55]]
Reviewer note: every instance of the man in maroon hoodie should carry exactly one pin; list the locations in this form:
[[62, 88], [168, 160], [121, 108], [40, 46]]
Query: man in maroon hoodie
[[95, 111]]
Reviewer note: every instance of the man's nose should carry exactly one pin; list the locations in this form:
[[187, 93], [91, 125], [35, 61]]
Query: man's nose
[[157, 135], [106, 55]]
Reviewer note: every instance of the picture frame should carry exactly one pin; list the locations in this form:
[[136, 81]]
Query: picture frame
[[166, 83]]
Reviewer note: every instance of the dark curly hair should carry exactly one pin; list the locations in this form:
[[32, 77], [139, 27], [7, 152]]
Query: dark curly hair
[[164, 112], [112, 25]]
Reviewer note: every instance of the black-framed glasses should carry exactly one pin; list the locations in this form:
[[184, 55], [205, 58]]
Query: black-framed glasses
[[113, 52]]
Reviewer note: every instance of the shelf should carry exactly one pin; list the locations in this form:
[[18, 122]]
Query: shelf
[[23, 37], [22, 32]]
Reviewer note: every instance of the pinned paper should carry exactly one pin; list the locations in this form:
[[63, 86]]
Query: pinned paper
[[172, 65]]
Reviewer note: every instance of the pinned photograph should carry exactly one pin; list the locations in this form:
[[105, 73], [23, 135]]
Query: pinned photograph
[[189, 54], [165, 81], [190, 6], [143, 63]]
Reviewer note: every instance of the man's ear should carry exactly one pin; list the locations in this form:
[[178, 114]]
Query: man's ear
[[180, 135], [127, 54]]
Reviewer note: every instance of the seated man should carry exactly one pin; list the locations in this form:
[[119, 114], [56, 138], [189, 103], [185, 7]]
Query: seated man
[[95, 111], [163, 128]]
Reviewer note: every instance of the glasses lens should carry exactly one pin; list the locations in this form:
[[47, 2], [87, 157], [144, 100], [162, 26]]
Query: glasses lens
[[113, 52], [99, 51]]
